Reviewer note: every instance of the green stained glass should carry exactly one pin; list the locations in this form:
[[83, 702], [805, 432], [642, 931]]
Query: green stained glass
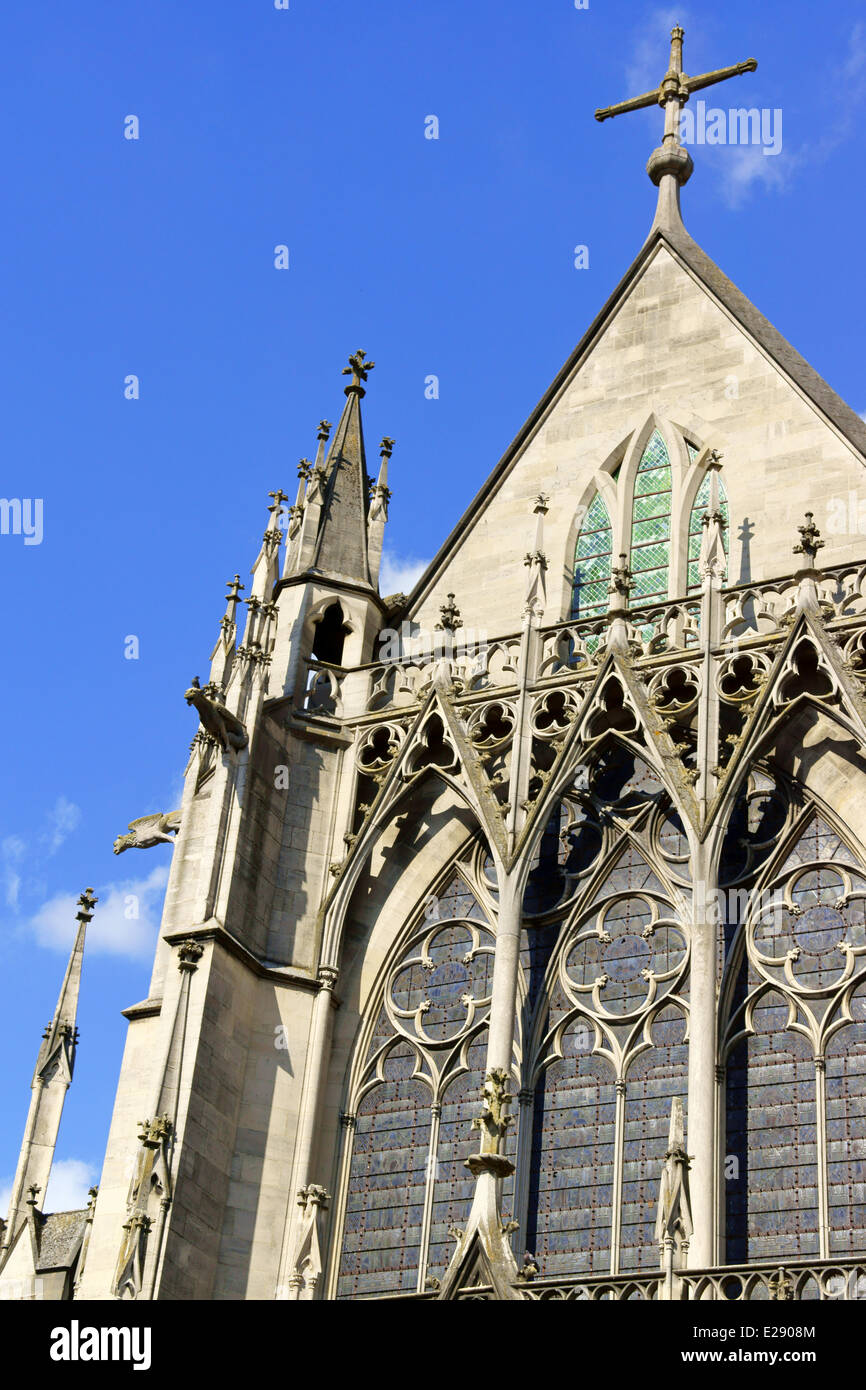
[[592, 556], [696, 529], [651, 523]]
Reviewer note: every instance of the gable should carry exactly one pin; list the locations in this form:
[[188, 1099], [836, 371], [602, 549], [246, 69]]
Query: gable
[[680, 344]]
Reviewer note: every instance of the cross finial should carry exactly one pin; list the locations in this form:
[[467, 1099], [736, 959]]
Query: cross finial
[[279, 498], [810, 539], [357, 369], [386, 448], [325, 425], [621, 578], [234, 589], [672, 93], [451, 617], [86, 903]]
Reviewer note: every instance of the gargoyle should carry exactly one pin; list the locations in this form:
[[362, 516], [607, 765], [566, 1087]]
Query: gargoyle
[[223, 726], [156, 829]]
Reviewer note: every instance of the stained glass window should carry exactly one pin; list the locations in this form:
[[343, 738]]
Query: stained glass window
[[382, 1234], [651, 524], [778, 1139], [571, 1180], [654, 1079], [770, 1183], [592, 558], [418, 1091], [696, 527]]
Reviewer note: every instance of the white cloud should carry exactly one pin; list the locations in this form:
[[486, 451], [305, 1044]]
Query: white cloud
[[63, 818], [125, 922], [399, 573], [12, 850], [68, 1185], [747, 165]]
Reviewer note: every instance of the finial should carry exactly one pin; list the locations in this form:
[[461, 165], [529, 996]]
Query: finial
[[305, 466], [358, 369], [279, 498], [386, 448], [325, 425], [541, 507], [621, 578], [810, 539], [86, 903], [234, 587], [451, 617], [34, 1189]]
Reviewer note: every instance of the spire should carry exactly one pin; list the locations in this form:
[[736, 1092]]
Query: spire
[[61, 1035], [379, 499], [670, 166], [341, 543], [222, 656], [55, 1064]]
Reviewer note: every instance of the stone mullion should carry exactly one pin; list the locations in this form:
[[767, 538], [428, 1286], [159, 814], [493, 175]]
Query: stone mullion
[[526, 1116], [347, 1123], [821, 1157], [429, 1194], [719, 1179], [702, 1099], [616, 1191]]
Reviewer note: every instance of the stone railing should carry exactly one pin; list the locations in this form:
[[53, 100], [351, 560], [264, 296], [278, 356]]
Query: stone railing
[[793, 1280], [572, 650]]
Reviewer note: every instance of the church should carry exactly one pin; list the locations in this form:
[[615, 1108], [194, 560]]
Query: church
[[514, 946]]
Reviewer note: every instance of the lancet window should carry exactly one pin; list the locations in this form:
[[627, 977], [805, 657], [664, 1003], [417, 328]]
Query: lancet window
[[795, 1035]]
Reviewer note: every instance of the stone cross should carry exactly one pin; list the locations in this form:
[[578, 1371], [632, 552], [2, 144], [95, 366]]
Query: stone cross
[[672, 93], [86, 903], [358, 368]]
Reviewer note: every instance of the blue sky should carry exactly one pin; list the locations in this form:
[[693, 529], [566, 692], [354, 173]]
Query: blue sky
[[451, 257]]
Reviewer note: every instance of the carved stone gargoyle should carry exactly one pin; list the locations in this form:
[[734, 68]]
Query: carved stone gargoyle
[[224, 727], [156, 829]]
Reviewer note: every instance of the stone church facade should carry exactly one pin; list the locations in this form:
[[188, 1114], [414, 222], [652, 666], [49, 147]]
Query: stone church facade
[[515, 940]]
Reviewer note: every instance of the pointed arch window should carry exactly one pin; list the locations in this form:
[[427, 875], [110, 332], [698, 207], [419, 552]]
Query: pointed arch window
[[651, 524], [696, 527], [592, 560], [411, 1106]]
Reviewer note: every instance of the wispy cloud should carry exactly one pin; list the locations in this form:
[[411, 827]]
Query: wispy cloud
[[747, 168], [399, 573], [63, 818], [12, 851], [125, 922]]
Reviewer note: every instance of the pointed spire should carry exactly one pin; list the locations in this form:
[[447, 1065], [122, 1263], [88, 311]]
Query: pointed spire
[[341, 544], [712, 559], [674, 1225], [61, 1031], [536, 561], [379, 499], [55, 1064]]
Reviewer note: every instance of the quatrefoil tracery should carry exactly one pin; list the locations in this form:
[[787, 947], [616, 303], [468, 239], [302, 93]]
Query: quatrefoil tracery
[[441, 987], [796, 938], [599, 956]]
